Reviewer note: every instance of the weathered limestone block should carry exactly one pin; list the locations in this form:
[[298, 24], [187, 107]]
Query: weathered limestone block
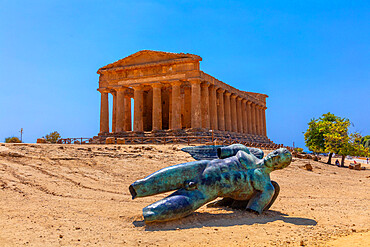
[[41, 140], [120, 140], [110, 140]]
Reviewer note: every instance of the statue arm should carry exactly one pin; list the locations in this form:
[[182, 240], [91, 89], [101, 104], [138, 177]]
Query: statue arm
[[228, 151], [265, 192]]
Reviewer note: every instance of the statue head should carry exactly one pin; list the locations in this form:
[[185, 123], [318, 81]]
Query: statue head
[[278, 159]]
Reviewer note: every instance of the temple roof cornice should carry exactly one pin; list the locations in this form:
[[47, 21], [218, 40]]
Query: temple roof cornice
[[145, 65], [149, 58]]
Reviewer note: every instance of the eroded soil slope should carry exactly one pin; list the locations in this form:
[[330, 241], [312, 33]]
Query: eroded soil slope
[[78, 195]]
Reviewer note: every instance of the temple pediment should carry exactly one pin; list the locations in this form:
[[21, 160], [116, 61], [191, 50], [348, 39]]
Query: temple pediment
[[149, 57]]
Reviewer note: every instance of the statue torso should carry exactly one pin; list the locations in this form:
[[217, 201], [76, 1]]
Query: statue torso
[[231, 177]]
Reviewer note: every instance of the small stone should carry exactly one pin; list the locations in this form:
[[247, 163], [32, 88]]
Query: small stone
[[308, 167], [60, 236]]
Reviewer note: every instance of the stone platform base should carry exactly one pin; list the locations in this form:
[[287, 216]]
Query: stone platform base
[[181, 136]]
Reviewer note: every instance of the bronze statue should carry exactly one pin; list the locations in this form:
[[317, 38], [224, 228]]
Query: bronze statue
[[241, 178]]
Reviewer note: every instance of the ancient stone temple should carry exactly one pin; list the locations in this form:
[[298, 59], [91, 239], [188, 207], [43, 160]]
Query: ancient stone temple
[[173, 97]]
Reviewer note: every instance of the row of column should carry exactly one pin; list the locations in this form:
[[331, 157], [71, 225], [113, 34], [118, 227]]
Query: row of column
[[211, 108], [230, 112], [121, 119]]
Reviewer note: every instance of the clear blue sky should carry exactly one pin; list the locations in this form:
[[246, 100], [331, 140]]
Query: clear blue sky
[[310, 57]]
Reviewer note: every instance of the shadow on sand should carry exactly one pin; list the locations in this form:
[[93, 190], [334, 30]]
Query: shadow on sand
[[322, 162], [234, 218]]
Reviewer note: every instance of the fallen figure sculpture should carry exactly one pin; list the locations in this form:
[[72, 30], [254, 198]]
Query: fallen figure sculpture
[[238, 176]]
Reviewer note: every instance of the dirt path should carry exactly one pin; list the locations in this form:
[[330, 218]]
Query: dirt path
[[78, 195]]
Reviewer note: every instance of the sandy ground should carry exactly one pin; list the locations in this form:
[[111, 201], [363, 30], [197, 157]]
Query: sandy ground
[[77, 195]]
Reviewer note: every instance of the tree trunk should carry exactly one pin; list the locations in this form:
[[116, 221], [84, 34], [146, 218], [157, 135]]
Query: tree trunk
[[342, 162], [329, 159]]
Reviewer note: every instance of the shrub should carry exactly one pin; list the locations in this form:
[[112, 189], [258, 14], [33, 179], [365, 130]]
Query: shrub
[[53, 137], [298, 150], [12, 139]]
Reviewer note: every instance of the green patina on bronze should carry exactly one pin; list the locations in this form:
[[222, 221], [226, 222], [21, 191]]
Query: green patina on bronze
[[238, 176]]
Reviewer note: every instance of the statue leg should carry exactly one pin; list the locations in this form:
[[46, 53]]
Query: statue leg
[[168, 179], [277, 190], [179, 204]]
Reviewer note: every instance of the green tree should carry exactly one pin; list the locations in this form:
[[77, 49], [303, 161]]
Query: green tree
[[330, 134], [315, 134], [53, 137], [337, 139], [12, 139]]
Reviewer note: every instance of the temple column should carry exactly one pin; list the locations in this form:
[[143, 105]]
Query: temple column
[[138, 108], [240, 114], [127, 117], [176, 106], [187, 106], [260, 110], [264, 121], [234, 117], [227, 111], [245, 116], [221, 109], [257, 116], [254, 122], [249, 117], [260, 120], [205, 105], [120, 110], [114, 110], [195, 104], [213, 107], [104, 112], [157, 106]]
